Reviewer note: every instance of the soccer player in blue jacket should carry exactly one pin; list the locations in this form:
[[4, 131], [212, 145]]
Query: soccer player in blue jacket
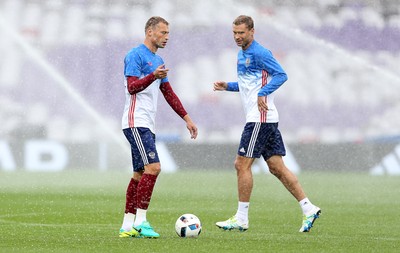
[[259, 76]]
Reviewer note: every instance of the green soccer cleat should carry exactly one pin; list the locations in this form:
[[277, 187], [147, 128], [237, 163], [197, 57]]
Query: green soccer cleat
[[132, 233], [232, 223], [308, 221], [146, 231]]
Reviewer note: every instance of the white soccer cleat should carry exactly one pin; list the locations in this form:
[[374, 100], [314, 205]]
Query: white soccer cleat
[[308, 221], [232, 223]]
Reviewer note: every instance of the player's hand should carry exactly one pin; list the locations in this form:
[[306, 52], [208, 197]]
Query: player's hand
[[262, 105], [193, 130], [161, 72], [219, 85], [191, 126]]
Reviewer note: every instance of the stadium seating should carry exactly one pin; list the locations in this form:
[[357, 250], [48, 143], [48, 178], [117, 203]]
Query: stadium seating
[[341, 58]]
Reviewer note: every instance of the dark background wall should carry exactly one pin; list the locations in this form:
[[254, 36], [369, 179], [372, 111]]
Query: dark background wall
[[356, 157]]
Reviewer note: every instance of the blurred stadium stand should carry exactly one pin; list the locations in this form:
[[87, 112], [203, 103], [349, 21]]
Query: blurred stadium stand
[[342, 58]]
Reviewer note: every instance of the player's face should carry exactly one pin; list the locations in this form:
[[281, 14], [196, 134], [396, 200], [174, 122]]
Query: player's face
[[159, 35], [243, 36]]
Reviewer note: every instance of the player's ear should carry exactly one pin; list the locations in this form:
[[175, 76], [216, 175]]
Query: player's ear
[[149, 32]]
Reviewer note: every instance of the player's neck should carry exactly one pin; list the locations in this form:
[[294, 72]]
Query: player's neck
[[245, 47], [150, 46]]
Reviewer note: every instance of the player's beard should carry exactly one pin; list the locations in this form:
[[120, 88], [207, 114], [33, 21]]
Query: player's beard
[[244, 44], [161, 45], [241, 44]]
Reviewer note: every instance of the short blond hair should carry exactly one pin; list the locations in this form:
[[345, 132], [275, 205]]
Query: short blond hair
[[243, 19], [153, 21]]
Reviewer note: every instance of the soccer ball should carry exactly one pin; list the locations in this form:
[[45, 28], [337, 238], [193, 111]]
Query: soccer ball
[[188, 225]]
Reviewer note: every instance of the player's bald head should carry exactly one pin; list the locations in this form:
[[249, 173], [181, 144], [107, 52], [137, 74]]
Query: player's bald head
[[153, 21]]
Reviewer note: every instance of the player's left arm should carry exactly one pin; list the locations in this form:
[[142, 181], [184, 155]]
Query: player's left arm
[[274, 69], [175, 103]]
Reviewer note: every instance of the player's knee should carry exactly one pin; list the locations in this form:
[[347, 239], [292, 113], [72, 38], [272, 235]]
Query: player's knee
[[238, 165], [274, 171], [137, 175], [241, 166], [276, 166], [153, 169]]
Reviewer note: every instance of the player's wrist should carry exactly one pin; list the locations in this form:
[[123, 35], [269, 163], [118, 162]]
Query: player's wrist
[[153, 76]]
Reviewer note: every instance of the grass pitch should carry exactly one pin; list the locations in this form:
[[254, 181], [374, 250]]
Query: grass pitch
[[82, 212]]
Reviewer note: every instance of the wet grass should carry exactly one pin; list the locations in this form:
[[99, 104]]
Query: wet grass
[[82, 212]]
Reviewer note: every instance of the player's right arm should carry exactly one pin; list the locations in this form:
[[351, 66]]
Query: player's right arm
[[136, 85], [230, 86]]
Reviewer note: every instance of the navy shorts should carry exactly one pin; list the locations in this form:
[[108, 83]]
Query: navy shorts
[[143, 147], [261, 139]]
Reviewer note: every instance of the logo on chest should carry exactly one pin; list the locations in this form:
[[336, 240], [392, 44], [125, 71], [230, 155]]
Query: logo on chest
[[247, 63]]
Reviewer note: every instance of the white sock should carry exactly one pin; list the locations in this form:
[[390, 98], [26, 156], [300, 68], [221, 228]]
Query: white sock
[[242, 213], [306, 206], [140, 217], [127, 224]]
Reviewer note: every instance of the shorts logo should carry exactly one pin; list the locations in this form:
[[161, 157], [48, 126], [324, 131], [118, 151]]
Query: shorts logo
[[242, 150], [152, 155]]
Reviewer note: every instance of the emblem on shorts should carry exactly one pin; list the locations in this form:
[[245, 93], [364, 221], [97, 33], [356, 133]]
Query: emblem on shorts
[[242, 150], [152, 155]]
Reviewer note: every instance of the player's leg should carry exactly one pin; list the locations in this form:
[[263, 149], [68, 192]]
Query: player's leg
[[245, 188], [244, 177], [248, 151], [147, 167], [130, 206], [289, 180], [127, 229], [144, 192], [273, 153], [240, 220]]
